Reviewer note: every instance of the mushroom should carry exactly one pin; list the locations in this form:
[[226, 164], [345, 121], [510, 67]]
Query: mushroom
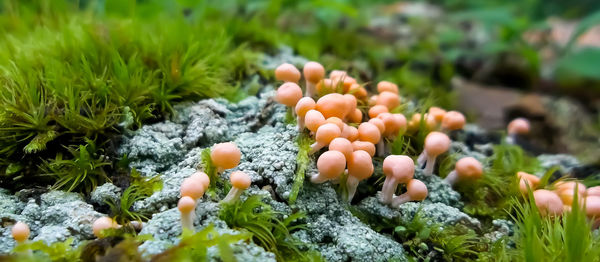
[[324, 135], [518, 126], [350, 105], [355, 116], [187, 206], [313, 73], [365, 146], [360, 167], [467, 168], [381, 126], [304, 105], [414, 123], [437, 113], [287, 73], [593, 191], [453, 120], [331, 165], [395, 124], [103, 223], [436, 143], [326, 86], [202, 178], [225, 156], [240, 181], [343, 146], [566, 191], [388, 99], [358, 91], [376, 110], [20, 232], [548, 202], [398, 169], [349, 132], [288, 94], [369, 132], [415, 191], [332, 104], [527, 179], [313, 120], [336, 121], [337, 74], [592, 209], [193, 188], [386, 86]]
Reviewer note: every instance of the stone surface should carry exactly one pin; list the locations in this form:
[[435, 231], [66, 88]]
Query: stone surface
[[105, 193]]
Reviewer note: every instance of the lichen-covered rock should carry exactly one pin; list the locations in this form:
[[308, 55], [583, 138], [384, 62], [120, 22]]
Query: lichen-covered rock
[[438, 190], [105, 193], [339, 235], [501, 228], [432, 212], [565, 163]]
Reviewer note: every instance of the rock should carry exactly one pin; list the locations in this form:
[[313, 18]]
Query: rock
[[565, 163], [105, 193], [438, 190]]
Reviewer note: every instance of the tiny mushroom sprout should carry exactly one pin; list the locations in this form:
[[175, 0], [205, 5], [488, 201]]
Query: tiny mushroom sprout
[[356, 116], [592, 209], [548, 202], [202, 178], [287, 73], [351, 104], [388, 99], [193, 188], [467, 168], [395, 124], [360, 167], [225, 155], [304, 105], [240, 181], [186, 206], [437, 113], [453, 120], [369, 132], [349, 132], [342, 145], [527, 179], [331, 165], [377, 110], [415, 191], [324, 135], [518, 126], [102, 224], [436, 143], [289, 94], [332, 104], [398, 169], [384, 86], [313, 73], [365, 146], [20, 232], [313, 120]]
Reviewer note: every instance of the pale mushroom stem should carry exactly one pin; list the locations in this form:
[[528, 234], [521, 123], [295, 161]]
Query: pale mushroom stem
[[381, 148], [399, 200], [388, 189], [300, 120], [318, 179], [310, 89], [511, 138], [233, 195], [351, 184], [336, 180], [187, 220], [316, 146], [451, 177], [429, 165], [422, 158]]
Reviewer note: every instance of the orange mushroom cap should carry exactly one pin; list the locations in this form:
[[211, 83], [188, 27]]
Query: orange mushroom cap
[[304, 105], [365, 146], [202, 178], [313, 120], [592, 206], [350, 104], [326, 86], [349, 132], [240, 180], [378, 123], [593, 191], [192, 188], [356, 116], [548, 202], [186, 205], [342, 145], [416, 189], [331, 164], [369, 132], [436, 143], [287, 73], [437, 113], [401, 167], [20, 231], [386, 86], [376, 110], [335, 120], [469, 168], [327, 132], [395, 124], [313, 72], [360, 165], [388, 99], [226, 155], [289, 94], [332, 105], [337, 74], [453, 120], [102, 224], [430, 122], [519, 126]]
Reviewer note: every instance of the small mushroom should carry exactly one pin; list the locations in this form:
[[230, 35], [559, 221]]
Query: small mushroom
[[437, 113], [102, 224], [356, 116], [566, 191], [388, 99], [593, 191], [351, 104], [467, 168], [324, 135], [365, 146], [332, 104], [287, 73], [386, 86], [548, 202], [331, 165], [516, 127], [202, 178], [288, 94], [20, 232], [304, 105], [436, 143], [358, 91], [398, 169], [349, 132], [375, 110], [313, 120], [193, 188], [592, 210], [225, 156], [336, 121], [343, 146], [313, 73], [381, 126], [240, 181], [527, 179], [415, 191], [395, 125], [360, 167], [187, 206], [453, 120], [369, 132]]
